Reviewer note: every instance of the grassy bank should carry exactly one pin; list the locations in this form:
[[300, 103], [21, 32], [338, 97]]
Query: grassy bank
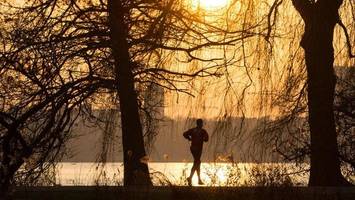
[[182, 193]]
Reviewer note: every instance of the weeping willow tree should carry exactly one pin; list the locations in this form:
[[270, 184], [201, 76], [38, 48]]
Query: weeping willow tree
[[271, 78], [302, 83], [117, 48], [320, 18]]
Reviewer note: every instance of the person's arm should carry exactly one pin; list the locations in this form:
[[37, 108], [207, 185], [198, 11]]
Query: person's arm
[[205, 136], [187, 135]]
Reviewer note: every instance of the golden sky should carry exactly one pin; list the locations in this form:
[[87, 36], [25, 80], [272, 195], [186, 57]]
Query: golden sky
[[212, 96]]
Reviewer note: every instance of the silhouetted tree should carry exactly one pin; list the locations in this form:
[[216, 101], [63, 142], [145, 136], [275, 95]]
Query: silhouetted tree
[[40, 99], [320, 18], [135, 170], [318, 137], [42, 92], [112, 48]]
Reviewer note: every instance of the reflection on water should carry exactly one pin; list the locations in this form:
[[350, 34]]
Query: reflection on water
[[213, 174]]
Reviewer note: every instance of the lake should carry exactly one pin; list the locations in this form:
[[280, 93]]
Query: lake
[[213, 174]]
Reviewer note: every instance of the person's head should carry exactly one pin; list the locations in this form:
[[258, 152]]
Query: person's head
[[199, 123]]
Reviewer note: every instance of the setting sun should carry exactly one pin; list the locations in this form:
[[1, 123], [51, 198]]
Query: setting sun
[[209, 4]]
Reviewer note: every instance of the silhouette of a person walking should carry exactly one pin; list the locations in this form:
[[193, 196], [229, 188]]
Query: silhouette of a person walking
[[197, 136]]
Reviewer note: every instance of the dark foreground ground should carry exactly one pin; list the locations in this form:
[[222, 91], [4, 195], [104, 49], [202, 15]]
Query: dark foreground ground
[[182, 193]]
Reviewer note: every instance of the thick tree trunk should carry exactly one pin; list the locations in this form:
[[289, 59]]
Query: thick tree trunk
[[320, 20], [135, 171], [325, 168], [7, 173]]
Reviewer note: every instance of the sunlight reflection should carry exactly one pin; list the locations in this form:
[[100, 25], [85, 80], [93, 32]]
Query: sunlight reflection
[[212, 174]]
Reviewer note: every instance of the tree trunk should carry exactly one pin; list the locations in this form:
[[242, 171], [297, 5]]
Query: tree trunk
[[320, 19], [135, 171], [7, 173]]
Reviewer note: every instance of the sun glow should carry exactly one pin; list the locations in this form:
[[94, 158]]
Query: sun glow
[[209, 4]]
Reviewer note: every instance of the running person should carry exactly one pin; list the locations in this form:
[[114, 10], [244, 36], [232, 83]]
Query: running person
[[197, 136]]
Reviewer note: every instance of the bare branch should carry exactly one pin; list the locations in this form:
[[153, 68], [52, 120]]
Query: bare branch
[[348, 42]]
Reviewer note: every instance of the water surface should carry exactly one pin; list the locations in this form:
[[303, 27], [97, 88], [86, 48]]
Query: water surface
[[213, 174]]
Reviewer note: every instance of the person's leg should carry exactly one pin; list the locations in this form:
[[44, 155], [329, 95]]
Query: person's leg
[[198, 167], [189, 179], [194, 167]]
